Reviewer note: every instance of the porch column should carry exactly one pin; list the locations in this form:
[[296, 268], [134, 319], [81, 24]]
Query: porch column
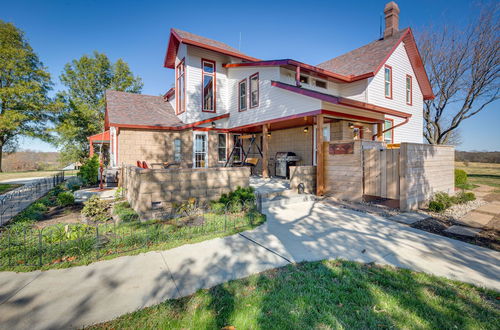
[[91, 153], [320, 168], [380, 128], [265, 151]]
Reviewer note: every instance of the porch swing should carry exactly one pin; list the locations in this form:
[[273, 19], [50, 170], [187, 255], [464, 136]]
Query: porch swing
[[246, 161]]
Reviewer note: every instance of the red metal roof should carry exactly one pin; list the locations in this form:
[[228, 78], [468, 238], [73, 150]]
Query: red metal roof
[[100, 137], [178, 36]]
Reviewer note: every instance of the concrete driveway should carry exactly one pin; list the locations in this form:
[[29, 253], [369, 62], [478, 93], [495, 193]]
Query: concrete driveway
[[79, 296]]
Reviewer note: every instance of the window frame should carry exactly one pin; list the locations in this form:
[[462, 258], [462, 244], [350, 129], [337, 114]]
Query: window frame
[[175, 150], [410, 90], [225, 147], [390, 82], [240, 109], [391, 131], [214, 85], [250, 105], [178, 109], [306, 78], [316, 81]]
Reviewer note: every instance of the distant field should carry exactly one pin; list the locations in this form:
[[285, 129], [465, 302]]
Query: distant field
[[30, 174], [5, 187], [482, 173]]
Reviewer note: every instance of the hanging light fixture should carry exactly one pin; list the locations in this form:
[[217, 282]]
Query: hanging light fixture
[[213, 124], [268, 134], [306, 129], [351, 125]]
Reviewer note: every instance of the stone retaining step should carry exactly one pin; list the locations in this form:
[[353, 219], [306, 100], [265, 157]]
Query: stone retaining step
[[476, 219], [409, 218], [463, 231]]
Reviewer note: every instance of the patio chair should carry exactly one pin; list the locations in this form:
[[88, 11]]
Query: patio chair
[[252, 162], [145, 165], [139, 164]]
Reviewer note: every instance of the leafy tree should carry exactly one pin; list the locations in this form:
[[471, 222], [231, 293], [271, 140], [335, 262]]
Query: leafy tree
[[25, 108], [463, 68], [87, 80]]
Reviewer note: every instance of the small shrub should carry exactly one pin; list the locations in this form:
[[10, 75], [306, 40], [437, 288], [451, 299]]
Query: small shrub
[[435, 206], [238, 199], [460, 177], [96, 209], [444, 199], [464, 197], [125, 213], [89, 171], [218, 208], [65, 199]]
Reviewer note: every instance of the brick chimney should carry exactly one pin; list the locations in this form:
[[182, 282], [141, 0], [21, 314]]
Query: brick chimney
[[391, 12]]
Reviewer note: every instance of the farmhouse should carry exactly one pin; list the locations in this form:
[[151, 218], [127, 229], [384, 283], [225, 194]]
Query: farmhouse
[[348, 127]]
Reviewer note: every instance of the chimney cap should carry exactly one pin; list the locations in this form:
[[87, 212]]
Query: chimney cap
[[391, 6]]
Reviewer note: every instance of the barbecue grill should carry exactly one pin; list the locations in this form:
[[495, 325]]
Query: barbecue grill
[[283, 161]]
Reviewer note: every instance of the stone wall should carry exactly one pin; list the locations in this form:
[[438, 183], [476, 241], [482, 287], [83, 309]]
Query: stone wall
[[424, 170], [150, 191], [305, 175]]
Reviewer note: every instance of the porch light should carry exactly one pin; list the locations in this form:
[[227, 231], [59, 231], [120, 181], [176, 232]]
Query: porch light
[[213, 124], [268, 134], [351, 125], [306, 129]]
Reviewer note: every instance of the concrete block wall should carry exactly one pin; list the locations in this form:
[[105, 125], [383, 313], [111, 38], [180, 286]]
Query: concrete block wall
[[305, 175], [424, 170], [151, 190]]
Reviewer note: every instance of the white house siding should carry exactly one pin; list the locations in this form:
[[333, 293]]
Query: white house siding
[[274, 102], [355, 90], [412, 131]]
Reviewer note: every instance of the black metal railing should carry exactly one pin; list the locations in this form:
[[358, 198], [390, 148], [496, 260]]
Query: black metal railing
[[70, 243]]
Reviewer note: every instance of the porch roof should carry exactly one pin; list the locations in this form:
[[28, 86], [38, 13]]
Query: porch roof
[[103, 137]]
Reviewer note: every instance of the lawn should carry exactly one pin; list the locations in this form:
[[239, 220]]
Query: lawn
[[326, 295], [482, 173], [30, 174], [6, 187]]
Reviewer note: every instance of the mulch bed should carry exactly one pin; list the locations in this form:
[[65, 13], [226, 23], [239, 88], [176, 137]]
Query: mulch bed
[[57, 214]]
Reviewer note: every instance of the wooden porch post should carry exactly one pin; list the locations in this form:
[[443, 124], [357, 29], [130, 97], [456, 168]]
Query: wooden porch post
[[320, 168], [265, 151], [380, 128]]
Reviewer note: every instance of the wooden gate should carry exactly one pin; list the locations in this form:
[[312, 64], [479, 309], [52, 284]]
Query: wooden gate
[[381, 173]]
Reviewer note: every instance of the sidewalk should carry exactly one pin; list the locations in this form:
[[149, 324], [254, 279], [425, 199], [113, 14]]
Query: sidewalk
[[80, 296]]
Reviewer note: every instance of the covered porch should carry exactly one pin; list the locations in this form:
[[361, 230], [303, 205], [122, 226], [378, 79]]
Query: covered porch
[[100, 143]]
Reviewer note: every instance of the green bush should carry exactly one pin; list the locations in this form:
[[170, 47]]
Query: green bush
[[444, 199], [96, 209], [89, 171], [218, 208], [435, 206], [125, 212], [464, 197], [65, 199], [241, 196], [460, 177]]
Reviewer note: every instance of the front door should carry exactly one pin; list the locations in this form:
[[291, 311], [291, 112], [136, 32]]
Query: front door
[[200, 149]]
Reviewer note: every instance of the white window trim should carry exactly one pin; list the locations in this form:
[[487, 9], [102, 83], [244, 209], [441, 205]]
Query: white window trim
[[194, 148], [225, 149]]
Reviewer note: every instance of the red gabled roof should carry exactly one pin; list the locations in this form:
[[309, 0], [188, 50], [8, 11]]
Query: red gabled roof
[[178, 36], [369, 59], [100, 137]]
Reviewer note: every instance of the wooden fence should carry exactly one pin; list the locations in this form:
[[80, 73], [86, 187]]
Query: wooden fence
[[381, 173]]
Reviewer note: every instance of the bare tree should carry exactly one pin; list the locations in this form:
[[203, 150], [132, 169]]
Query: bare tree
[[463, 68]]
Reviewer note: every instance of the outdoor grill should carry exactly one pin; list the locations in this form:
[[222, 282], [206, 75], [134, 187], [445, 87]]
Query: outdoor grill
[[283, 161]]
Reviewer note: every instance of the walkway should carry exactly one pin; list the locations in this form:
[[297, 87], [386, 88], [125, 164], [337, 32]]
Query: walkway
[[80, 296]]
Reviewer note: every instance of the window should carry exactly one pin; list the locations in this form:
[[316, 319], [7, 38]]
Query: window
[[180, 88], [177, 150], [409, 87], [254, 90], [304, 79], [200, 150], [326, 138], [208, 81], [242, 95], [389, 136], [221, 147], [320, 84], [388, 81], [238, 152]]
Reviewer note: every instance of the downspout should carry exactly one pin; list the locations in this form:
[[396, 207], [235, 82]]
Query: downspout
[[407, 119]]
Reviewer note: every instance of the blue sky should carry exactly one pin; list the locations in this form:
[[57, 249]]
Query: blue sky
[[308, 31]]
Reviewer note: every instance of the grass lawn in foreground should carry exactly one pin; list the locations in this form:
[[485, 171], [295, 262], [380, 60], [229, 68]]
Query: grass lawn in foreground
[[31, 174], [6, 187], [482, 173], [326, 295]]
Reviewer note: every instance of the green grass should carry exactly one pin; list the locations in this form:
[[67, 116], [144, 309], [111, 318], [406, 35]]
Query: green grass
[[6, 187], [326, 295], [481, 173], [31, 174]]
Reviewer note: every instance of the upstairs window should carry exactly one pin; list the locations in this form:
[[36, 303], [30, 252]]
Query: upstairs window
[[388, 81], [180, 87], [177, 150], [208, 85], [304, 79], [254, 90], [409, 91], [320, 83], [242, 95]]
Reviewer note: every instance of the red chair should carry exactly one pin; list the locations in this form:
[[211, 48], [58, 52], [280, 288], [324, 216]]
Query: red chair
[[139, 164], [145, 165]]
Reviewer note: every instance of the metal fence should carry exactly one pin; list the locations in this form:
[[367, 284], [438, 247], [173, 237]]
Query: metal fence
[[85, 243], [18, 199]]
